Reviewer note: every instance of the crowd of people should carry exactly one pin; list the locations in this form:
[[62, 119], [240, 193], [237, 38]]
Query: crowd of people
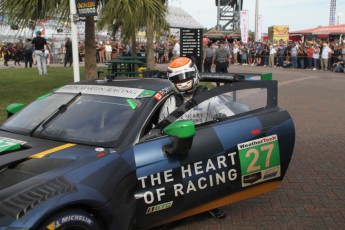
[[312, 55], [110, 50], [61, 53], [25, 52]]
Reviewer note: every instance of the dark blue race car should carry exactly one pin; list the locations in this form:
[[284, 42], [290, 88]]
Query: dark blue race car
[[84, 157]]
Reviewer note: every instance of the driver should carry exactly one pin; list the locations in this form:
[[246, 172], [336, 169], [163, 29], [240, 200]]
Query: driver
[[184, 75]]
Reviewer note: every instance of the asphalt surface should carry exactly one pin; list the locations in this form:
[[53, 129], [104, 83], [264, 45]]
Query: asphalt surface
[[312, 195]]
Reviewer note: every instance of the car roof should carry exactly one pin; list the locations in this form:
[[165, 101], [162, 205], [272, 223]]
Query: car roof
[[154, 84]]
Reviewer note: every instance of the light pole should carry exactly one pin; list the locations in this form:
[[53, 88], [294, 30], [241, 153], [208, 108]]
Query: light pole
[[218, 15], [256, 19], [74, 33]]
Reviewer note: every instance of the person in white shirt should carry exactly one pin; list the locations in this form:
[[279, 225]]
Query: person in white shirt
[[108, 51], [316, 56], [273, 52], [326, 51], [235, 51], [176, 50]]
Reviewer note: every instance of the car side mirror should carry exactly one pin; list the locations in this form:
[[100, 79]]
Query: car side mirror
[[13, 109], [182, 133]]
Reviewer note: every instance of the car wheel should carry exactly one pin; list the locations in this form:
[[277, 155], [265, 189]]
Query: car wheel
[[75, 219]]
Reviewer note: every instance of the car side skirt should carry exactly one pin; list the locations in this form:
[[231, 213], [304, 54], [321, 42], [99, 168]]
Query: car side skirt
[[238, 196]]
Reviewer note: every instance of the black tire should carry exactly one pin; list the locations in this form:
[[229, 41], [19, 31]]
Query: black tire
[[74, 219]]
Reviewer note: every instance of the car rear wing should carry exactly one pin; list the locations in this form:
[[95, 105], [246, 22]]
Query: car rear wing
[[234, 77]]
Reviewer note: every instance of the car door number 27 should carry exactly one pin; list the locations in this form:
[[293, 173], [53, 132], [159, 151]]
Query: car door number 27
[[253, 166], [259, 154]]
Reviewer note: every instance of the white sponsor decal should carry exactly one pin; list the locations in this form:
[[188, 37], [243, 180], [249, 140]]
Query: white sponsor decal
[[70, 218], [101, 90], [10, 140], [257, 142], [212, 173]]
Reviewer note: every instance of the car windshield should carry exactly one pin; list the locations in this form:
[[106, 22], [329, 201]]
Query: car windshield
[[87, 119]]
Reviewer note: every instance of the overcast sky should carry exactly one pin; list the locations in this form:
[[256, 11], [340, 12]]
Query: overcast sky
[[297, 14]]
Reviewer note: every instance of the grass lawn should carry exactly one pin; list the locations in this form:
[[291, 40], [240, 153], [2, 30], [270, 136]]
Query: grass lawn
[[20, 85]]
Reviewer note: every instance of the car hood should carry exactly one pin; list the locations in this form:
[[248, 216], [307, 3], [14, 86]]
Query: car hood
[[28, 161]]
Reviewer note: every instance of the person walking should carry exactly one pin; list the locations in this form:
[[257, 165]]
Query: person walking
[[68, 52], [28, 53], [221, 58], [39, 43], [208, 58]]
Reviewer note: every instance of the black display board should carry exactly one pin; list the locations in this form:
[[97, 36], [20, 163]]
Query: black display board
[[191, 45]]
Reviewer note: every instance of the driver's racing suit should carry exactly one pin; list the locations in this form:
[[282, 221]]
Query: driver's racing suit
[[208, 110]]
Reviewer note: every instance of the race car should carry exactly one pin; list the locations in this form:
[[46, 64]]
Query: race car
[[82, 157]]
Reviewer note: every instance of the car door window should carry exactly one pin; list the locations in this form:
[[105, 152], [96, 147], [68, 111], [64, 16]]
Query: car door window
[[221, 103], [227, 104]]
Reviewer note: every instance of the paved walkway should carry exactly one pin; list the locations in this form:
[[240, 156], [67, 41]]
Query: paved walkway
[[312, 195]]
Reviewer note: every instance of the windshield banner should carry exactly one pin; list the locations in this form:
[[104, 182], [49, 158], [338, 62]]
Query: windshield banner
[[101, 90]]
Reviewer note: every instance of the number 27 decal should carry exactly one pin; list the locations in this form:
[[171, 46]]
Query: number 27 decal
[[253, 166], [259, 154]]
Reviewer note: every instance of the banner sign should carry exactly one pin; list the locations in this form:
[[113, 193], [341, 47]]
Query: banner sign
[[244, 25], [259, 32], [86, 7], [278, 33]]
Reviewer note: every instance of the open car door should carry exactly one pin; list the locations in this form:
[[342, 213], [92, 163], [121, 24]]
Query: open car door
[[241, 149]]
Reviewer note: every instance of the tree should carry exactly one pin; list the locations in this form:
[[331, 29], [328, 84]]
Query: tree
[[133, 15], [23, 12], [130, 14]]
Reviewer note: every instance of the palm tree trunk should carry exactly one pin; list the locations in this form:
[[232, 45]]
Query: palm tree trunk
[[134, 45], [90, 47], [149, 45]]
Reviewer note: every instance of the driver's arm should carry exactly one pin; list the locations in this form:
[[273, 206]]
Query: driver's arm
[[168, 107], [218, 109]]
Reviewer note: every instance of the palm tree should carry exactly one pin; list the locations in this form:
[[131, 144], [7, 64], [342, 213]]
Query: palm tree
[[133, 15], [130, 14], [23, 12]]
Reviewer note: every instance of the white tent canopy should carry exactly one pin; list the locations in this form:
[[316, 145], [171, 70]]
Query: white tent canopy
[[178, 18]]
